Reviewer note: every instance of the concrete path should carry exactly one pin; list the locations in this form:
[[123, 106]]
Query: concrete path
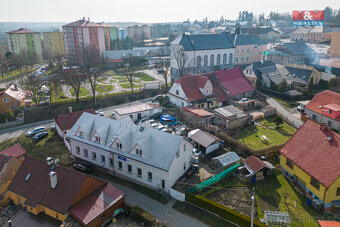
[[285, 114], [169, 216]]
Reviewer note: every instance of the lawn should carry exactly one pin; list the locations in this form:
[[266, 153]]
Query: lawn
[[119, 77], [126, 85], [82, 92], [272, 189], [51, 146], [144, 77], [101, 88], [249, 137]]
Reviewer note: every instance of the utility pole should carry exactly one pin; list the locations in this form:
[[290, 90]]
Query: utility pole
[[252, 208]]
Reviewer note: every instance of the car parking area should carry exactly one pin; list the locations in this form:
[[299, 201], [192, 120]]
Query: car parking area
[[24, 218]]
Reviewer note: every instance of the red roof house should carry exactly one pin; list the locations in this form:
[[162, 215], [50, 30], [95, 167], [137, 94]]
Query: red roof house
[[255, 164], [13, 97], [324, 223], [16, 151], [66, 121]]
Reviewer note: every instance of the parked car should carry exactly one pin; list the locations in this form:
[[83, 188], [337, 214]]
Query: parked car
[[154, 125], [180, 131], [166, 130], [196, 152], [100, 113], [83, 167], [36, 130], [152, 121], [39, 136], [160, 127]]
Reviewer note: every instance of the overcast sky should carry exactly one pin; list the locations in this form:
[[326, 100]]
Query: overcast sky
[[146, 10]]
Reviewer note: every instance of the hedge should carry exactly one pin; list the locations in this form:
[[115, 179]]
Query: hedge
[[141, 215], [220, 210]]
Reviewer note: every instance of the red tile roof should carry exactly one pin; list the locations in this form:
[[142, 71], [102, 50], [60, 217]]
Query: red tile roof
[[255, 163], [95, 204], [67, 120], [321, 99], [234, 81], [22, 31], [192, 83], [310, 150], [198, 112], [333, 106], [16, 93], [15, 151], [3, 161], [37, 189], [323, 223]]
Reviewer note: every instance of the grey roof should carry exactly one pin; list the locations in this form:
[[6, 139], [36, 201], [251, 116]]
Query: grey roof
[[299, 48], [159, 148], [255, 31], [242, 39], [327, 76], [227, 158], [300, 75], [206, 42], [136, 52], [230, 112], [259, 64]]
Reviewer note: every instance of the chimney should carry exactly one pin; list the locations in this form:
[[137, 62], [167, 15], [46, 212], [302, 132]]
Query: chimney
[[323, 126], [53, 179], [70, 109], [237, 30], [235, 39], [262, 62], [15, 86], [304, 66], [49, 160], [295, 65]]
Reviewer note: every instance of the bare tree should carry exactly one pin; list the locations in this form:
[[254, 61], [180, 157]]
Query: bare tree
[[3, 64], [15, 61], [92, 65], [32, 85], [74, 80], [182, 60], [27, 59], [129, 70]]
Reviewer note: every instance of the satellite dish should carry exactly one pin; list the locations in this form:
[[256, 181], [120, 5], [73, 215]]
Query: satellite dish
[[56, 160]]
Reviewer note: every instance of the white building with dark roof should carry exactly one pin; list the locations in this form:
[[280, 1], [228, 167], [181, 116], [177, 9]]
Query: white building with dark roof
[[147, 156]]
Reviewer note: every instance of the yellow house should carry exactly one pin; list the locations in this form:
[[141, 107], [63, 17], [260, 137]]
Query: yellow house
[[311, 159], [44, 187], [12, 98], [309, 72]]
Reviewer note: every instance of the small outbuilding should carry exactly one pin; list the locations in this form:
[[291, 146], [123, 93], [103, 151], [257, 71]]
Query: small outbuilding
[[137, 111], [205, 141], [228, 159], [231, 118], [259, 168]]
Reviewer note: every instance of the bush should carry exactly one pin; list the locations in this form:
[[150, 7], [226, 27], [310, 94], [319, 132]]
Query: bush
[[141, 215], [221, 210], [9, 115]]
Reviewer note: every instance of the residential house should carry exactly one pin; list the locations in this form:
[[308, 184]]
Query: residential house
[[200, 53], [147, 156], [9, 166], [310, 34], [204, 141], [324, 223], [324, 108], [13, 97], [252, 71], [54, 44], [307, 74], [24, 39], [258, 168], [137, 111], [201, 91], [330, 65], [16, 151], [265, 33], [334, 49], [230, 117], [58, 191], [297, 52], [249, 48], [311, 159]]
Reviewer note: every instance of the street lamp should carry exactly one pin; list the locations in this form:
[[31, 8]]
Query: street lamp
[[252, 208]]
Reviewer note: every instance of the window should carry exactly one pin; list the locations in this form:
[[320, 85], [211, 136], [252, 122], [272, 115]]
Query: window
[[102, 159], [248, 50], [97, 139], [6, 100], [102, 218], [242, 59], [205, 60], [247, 59], [315, 183], [94, 156], [224, 59], [120, 165], [129, 169], [230, 58], [163, 183], [139, 152], [329, 123], [199, 61], [338, 191], [12, 107], [236, 60], [212, 60], [85, 153], [330, 111], [177, 92], [149, 176], [111, 161], [185, 166], [314, 117], [139, 172], [119, 145], [77, 150], [218, 59], [289, 163], [242, 50]]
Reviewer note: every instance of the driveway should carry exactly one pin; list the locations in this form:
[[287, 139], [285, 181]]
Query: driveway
[[24, 218], [154, 74], [169, 216]]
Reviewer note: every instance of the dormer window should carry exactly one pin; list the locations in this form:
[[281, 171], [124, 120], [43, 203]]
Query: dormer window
[[119, 145], [139, 152], [330, 111], [81, 134], [97, 139]]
